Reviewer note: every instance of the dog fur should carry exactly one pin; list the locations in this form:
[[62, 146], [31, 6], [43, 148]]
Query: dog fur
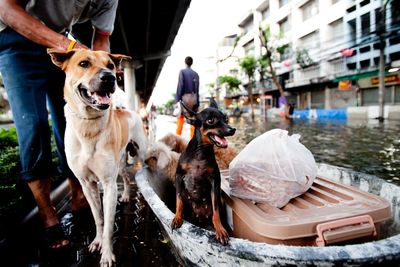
[[224, 156], [198, 179], [97, 135], [161, 157]]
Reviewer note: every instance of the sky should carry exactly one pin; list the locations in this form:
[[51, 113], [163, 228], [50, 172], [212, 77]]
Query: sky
[[206, 22]]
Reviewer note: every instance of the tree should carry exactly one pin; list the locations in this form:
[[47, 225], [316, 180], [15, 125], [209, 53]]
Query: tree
[[303, 58], [274, 49], [231, 83], [249, 64]]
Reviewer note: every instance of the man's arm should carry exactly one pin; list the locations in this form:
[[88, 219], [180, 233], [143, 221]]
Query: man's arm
[[180, 88], [12, 13], [101, 41]]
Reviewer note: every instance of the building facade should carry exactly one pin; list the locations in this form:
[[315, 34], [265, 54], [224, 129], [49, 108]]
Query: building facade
[[332, 59]]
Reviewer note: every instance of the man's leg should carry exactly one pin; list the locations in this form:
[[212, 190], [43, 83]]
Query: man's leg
[[191, 131], [179, 124], [21, 65], [56, 104], [41, 192]]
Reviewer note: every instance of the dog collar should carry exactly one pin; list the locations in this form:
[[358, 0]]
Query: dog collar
[[80, 117]]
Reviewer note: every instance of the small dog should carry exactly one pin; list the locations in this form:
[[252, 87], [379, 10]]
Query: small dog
[[161, 157], [198, 179], [97, 136], [224, 156]]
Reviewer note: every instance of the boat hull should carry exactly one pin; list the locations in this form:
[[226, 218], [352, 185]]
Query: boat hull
[[198, 247]]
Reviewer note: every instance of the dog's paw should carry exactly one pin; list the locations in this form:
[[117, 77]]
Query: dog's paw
[[176, 223], [95, 245], [107, 258], [222, 236]]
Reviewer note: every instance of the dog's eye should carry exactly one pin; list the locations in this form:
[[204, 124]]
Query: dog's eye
[[110, 66], [84, 63], [211, 121]]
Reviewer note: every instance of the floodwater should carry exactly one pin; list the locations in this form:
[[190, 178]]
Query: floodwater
[[365, 146]]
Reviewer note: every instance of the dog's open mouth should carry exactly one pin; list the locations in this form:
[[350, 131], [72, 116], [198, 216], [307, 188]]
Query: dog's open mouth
[[218, 140], [98, 100]]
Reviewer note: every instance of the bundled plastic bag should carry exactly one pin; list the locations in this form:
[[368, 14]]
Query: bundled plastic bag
[[273, 168]]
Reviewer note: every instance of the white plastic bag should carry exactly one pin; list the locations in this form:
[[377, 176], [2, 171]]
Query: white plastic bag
[[178, 110], [273, 168]]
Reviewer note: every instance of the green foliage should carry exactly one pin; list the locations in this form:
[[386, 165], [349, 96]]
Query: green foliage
[[248, 65], [170, 103], [232, 83], [9, 165], [303, 58], [8, 138], [282, 48]]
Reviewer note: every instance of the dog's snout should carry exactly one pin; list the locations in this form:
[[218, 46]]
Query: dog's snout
[[107, 77], [231, 130]]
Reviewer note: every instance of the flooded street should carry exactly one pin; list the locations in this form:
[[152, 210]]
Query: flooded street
[[364, 146]]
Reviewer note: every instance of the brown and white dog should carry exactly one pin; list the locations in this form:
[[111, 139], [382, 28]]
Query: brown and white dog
[[97, 135]]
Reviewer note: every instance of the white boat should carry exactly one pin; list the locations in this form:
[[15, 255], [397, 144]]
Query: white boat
[[196, 246]]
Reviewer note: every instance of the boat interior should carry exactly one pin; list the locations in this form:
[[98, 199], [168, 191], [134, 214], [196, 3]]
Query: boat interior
[[296, 223]]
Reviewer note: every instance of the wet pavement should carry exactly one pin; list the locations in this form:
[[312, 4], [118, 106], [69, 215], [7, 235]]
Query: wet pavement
[[138, 240]]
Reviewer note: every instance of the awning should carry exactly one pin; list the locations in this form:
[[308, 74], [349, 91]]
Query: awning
[[357, 76]]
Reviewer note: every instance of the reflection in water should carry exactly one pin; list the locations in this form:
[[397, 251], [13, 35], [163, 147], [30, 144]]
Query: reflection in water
[[364, 146]]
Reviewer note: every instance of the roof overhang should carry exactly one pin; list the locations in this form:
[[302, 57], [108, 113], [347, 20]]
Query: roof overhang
[[144, 30]]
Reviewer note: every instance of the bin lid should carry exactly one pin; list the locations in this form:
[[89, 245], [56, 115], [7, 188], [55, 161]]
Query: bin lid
[[325, 201]]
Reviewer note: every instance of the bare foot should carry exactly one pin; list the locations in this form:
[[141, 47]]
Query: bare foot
[[78, 200], [53, 233]]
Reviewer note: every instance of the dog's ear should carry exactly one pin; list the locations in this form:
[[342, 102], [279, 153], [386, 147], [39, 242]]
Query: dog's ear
[[189, 114], [59, 56], [213, 103], [163, 159], [118, 58]]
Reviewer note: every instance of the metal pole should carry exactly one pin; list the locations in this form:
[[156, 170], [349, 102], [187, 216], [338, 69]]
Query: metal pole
[[382, 31]]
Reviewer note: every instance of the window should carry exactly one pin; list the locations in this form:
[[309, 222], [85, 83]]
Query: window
[[247, 23], [370, 96], [318, 99], [228, 41], [284, 25], [364, 3], [364, 64], [365, 49], [337, 29], [309, 10], [351, 66], [365, 25], [286, 54], [394, 56], [395, 13], [310, 40], [351, 9], [397, 94], [249, 47], [265, 13], [283, 2], [352, 30], [378, 18]]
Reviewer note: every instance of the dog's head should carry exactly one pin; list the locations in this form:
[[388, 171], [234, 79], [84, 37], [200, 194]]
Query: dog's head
[[90, 76], [212, 123], [158, 156]]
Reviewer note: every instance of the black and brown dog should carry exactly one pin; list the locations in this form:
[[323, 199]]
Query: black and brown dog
[[198, 179]]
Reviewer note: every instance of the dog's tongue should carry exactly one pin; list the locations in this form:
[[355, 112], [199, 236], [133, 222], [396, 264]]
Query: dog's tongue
[[101, 99], [221, 140]]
